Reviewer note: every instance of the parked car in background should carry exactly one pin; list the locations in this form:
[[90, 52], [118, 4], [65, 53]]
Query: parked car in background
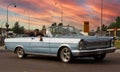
[[117, 38], [21, 35], [11, 34], [64, 42]]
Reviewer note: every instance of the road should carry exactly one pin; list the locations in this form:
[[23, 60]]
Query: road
[[10, 63]]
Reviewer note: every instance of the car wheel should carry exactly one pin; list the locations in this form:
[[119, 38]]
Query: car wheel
[[99, 57], [65, 55], [20, 53]]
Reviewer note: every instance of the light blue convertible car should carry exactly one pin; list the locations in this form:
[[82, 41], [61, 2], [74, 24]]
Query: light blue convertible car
[[64, 42]]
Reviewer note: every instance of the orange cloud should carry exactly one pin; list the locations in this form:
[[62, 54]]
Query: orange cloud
[[75, 12]]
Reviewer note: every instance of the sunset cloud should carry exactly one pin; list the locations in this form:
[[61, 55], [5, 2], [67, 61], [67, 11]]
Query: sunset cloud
[[75, 12]]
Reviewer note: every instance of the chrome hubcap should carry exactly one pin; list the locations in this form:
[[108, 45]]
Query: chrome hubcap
[[65, 54], [20, 53]]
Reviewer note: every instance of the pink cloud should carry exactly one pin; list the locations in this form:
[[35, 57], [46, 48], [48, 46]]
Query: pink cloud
[[74, 11]]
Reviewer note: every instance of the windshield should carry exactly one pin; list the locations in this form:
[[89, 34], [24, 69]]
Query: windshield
[[64, 31]]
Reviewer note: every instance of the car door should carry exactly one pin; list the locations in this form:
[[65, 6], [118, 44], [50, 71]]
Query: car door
[[54, 44], [38, 46]]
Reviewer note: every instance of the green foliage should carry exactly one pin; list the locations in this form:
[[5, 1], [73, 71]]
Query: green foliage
[[54, 24], [115, 24], [117, 43], [21, 30], [104, 27], [17, 29], [98, 29], [60, 24], [44, 27], [112, 25], [118, 22]]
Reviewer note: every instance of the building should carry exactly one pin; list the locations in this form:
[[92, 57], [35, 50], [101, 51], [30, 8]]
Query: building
[[86, 26], [113, 32]]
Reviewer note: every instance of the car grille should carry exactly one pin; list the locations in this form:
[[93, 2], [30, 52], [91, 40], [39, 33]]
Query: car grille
[[97, 44]]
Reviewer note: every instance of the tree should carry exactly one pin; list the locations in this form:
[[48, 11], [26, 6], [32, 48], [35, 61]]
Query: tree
[[44, 30], [112, 25], [22, 29], [44, 27], [118, 22], [60, 24], [115, 24], [37, 30], [104, 27], [98, 29], [54, 24], [17, 29]]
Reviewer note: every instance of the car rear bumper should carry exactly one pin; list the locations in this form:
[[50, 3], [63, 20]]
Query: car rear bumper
[[93, 52], [5, 47]]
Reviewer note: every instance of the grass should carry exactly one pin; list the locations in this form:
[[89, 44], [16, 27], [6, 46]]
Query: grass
[[117, 43]]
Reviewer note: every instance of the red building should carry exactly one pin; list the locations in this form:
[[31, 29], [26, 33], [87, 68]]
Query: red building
[[86, 26]]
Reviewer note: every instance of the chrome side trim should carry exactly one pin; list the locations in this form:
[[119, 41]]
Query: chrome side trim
[[40, 54]]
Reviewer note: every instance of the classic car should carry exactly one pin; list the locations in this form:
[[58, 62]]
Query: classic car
[[64, 42]]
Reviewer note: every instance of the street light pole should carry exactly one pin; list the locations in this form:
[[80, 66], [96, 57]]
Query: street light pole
[[61, 11], [28, 20], [101, 15], [7, 25]]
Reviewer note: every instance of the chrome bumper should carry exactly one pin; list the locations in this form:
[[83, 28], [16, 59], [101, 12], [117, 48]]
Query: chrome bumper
[[92, 52]]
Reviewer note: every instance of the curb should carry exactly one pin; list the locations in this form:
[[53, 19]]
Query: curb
[[2, 48], [117, 50]]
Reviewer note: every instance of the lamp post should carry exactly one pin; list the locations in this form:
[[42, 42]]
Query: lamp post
[[61, 11], [101, 15], [7, 25], [28, 19]]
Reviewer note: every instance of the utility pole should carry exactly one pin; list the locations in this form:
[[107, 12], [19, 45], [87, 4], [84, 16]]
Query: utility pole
[[7, 24], [61, 11], [101, 15]]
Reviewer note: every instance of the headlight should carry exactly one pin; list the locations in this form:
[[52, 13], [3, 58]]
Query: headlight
[[81, 44]]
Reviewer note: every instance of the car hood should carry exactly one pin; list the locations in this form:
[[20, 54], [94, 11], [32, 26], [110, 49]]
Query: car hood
[[90, 38], [95, 38]]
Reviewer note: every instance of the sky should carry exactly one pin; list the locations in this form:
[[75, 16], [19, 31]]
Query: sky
[[36, 13]]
